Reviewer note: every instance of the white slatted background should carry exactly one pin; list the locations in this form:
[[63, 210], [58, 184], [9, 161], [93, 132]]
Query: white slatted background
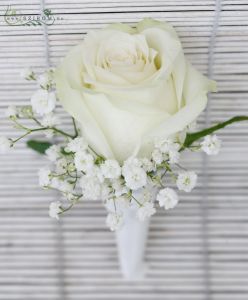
[[197, 251]]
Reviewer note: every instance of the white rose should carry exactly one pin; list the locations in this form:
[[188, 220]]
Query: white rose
[[126, 86]]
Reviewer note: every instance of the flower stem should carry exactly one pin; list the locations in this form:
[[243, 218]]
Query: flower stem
[[36, 121], [136, 201], [75, 128], [60, 131], [71, 205], [22, 136], [114, 205], [181, 167]]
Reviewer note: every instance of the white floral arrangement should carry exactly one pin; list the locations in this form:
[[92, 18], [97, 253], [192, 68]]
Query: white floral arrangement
[[134, 100]]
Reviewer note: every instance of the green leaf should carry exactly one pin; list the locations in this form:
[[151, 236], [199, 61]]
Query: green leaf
[[38, 146], [192, 137]]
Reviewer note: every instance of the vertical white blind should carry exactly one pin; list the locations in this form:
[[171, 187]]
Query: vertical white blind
[[196, 251]]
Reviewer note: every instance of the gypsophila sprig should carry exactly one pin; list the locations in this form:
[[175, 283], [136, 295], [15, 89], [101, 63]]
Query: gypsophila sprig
[[5, 144], [114, 221], [186, 181], [167, 198], [11, 112], [211, 145]]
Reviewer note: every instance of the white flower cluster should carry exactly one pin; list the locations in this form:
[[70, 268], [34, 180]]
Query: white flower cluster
[[211, 145], [40, 110], [166, 150], [5, 144], [43, 101], [78, 172]]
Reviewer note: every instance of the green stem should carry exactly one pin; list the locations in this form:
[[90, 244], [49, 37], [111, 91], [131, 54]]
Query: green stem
[[22, 136], [75, 128], [114, 205], [181, 167], [94, 152], [29, 131], [164, 174], [136, 201], [61, 132], [36, 121], [71, 205], [192, 137]]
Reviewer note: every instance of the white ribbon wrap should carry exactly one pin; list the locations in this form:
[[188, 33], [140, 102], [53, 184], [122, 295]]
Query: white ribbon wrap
[[131, 242]]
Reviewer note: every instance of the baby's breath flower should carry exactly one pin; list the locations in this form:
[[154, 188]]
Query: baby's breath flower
[[95, 171], [146, 211], [62, 185], [147, 165], [49, 133], [53, 152], [167, 198], [55, 209], [65, 186], [131, 162], [71, 167], [78, 144], [83, 161], [114, 221], [26, 111], [61, 165], [174, 156], [117, 204], [5, 144], [157, 156], [91, 187], [111, 169], [166, 149], [135, 177], [119, 187], [11, 111], [43, 102], [44, 177], [106, 191], [164, 145], [27, 74], [70, 197], [186, 181], [45, 80], [142, 196], [50, 120], [55, 183], [211, 144]]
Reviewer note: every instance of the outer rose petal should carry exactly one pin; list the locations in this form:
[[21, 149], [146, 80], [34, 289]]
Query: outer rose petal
[[73, 102], [149, 23], [195, 90]]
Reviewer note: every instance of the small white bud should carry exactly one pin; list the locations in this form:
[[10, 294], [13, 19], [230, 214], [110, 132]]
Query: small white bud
[[11, 111], [211, 145], [5, 144], [27, 74], [186, 181]]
